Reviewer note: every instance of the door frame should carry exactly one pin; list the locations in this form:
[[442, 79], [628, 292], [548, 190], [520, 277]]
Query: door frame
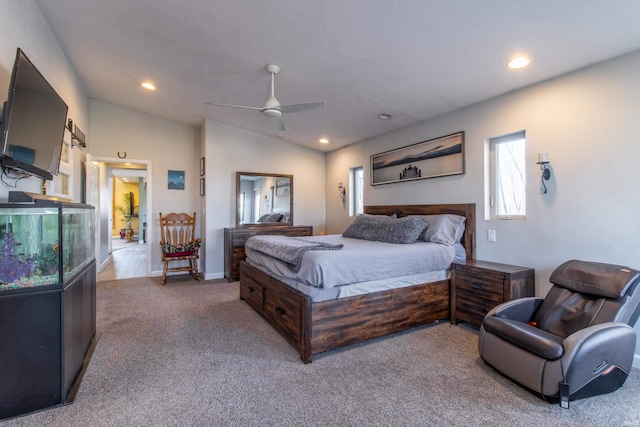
[[102, 164]]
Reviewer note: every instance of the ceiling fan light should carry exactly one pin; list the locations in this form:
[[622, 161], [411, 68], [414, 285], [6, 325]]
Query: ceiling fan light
[[271, 112]]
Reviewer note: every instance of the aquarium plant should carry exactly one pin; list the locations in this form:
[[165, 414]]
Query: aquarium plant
[[13, 265]]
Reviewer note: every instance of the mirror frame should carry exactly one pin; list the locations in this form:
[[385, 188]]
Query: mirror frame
[[266, 224]]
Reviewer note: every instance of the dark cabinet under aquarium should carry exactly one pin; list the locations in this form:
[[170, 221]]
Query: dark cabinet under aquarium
[[47, 300]]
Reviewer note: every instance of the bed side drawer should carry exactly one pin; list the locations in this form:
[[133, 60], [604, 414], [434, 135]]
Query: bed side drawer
[[252, 292], [285, 314]]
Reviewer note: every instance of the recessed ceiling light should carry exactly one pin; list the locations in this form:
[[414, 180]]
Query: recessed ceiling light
[[384, 116], [324, 141], [518, 62], [148, 85]]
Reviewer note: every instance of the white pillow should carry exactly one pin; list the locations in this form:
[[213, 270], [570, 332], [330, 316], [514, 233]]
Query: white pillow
[[446, 229]]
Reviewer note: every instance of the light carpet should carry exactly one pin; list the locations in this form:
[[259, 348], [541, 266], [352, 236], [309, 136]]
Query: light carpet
[[192, 354]]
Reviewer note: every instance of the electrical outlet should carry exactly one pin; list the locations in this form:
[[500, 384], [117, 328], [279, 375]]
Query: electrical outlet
[[491, 235]]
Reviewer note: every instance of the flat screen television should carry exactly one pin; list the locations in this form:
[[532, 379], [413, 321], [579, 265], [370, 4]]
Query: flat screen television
[[33, 122]]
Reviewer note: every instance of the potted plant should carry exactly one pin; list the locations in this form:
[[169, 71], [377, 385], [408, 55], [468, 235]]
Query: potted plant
[[128, 212]]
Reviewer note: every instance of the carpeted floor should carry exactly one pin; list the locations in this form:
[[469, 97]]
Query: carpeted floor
[[192, 354]]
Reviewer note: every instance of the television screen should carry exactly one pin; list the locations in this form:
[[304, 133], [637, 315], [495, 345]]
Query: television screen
[[33, 122]]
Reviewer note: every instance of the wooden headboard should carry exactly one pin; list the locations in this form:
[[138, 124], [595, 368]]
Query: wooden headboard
[[467, 210]]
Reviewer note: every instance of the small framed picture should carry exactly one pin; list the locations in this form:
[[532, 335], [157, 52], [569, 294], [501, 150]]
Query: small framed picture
[[176, 180], [202, 186], [202, 166]]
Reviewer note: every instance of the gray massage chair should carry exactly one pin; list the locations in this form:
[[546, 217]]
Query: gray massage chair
[[577, 342]]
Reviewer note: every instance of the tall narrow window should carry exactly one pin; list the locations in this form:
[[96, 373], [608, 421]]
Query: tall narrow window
[[507, 160], [356, 184]]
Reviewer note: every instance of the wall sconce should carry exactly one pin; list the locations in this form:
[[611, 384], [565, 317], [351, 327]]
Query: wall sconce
[[543, 160], [342, 191]]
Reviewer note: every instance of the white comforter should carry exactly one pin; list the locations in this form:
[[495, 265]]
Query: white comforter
[[359, 261]]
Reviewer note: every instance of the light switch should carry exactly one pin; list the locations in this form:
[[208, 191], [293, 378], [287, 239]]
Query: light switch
[[491, 235]]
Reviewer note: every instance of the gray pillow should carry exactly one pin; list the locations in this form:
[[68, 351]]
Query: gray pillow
[[382, 228], [443, 228]]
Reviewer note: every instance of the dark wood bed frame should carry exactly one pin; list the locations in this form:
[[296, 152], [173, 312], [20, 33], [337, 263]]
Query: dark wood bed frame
[[315, 327]]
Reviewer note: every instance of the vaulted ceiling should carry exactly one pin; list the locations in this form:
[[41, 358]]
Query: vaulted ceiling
[[412, 59]]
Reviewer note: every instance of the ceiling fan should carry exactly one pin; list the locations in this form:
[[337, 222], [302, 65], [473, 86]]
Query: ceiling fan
[[272, 108]]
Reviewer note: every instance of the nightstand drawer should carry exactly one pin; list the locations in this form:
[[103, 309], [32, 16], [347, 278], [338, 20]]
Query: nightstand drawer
[[472, 309], [481, 286]]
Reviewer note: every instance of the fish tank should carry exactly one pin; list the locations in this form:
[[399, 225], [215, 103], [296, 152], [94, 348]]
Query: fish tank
[[44, 241]]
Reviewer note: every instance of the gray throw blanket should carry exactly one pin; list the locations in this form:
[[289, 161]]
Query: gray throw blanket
[[287, 249]]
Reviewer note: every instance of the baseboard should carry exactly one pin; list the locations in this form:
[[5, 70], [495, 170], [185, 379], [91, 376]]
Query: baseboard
[[636, 361], [212, 276], [207, 276], [103, 263]]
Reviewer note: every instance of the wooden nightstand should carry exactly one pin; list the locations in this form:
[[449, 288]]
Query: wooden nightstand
[[478, 286]]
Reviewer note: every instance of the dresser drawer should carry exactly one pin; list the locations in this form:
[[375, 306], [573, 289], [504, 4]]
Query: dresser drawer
[[472, 309], [483, 287]]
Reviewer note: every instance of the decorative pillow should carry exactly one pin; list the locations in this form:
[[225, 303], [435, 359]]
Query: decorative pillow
[[270, 217], [382, 228], [170, 250], [443, 228]]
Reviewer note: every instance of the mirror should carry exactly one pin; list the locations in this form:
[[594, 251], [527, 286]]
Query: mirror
[[264, 199]]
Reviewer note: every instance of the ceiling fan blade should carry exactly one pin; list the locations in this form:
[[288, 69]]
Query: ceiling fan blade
[[235, 106], [293, 108], [277, 122]]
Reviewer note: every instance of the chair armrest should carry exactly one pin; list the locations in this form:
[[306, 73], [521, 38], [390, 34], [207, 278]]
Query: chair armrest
[[520, 309], [591, 350], [525, 336]]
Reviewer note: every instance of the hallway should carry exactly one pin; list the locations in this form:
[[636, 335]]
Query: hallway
[[127, 260]]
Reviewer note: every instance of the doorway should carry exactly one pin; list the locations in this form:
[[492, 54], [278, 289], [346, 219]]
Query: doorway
[[122, 210]]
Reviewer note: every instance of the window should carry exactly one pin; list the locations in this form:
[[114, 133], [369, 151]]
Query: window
[[507, 171], [62, 183], [241, 207], [356, 183]]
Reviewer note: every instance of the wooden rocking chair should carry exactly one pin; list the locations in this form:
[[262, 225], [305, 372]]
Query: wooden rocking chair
[[178, 243]]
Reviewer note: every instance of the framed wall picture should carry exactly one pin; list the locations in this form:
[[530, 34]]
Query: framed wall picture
[[175, 180], [428, 159], [202, 166], [202, 186]]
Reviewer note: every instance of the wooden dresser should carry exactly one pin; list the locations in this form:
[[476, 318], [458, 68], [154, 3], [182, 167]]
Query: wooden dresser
[[478, 286], [235, 238]]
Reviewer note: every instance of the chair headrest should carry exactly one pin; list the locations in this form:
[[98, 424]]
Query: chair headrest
[[595, 278]]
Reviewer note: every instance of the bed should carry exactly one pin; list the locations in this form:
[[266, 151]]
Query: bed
[[314, 327]]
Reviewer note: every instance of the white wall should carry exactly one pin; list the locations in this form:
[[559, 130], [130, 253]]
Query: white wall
[[22, 25], [165, 144], [230, 150], [588, 123]]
